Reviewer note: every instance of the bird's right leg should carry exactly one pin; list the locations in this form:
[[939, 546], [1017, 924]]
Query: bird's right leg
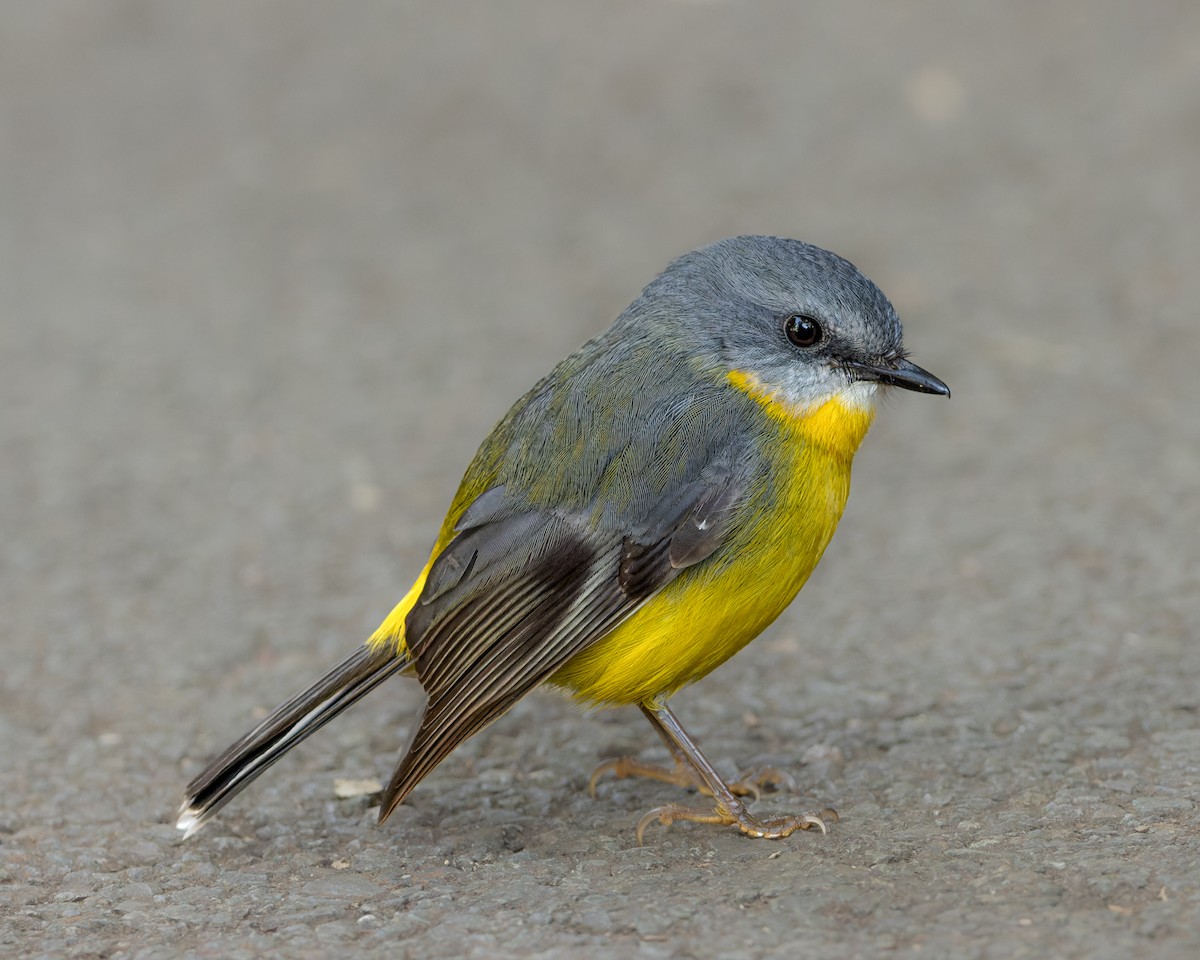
[[728, 808]]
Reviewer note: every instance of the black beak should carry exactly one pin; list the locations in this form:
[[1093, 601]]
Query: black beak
[[901, 373]]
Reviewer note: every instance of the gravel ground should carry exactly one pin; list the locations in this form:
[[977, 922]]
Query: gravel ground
[[271, 270]]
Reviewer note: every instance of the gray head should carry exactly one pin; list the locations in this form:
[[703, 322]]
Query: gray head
[[802, 324]]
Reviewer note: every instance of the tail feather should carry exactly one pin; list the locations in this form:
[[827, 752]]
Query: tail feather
[[288, 724]]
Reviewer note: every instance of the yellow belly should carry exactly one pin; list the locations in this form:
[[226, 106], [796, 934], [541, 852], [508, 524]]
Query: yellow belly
[[714, 609]]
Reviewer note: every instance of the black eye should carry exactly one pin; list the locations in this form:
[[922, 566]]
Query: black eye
[[803, 331]]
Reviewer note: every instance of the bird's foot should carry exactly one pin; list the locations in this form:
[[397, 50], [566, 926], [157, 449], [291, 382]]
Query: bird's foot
[[774, 829], [751, 783]]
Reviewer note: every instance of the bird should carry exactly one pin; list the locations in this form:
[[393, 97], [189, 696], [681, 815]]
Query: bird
[[634, 520]]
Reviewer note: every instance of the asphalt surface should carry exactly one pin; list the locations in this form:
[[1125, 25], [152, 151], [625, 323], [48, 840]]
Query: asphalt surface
[[269, 271]]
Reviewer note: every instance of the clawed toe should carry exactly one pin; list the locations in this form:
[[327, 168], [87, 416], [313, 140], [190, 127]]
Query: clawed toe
[[693, 770], [622, 767], [774, 829], [755, 780]]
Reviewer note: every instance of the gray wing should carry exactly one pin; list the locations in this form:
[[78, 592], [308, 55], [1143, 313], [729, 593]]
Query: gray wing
[[518, 592]]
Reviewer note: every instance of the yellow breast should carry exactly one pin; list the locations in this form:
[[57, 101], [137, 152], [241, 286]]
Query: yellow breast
[[714, 609]]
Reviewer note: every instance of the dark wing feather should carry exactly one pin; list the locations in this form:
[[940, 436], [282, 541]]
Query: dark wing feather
[[519, 592]]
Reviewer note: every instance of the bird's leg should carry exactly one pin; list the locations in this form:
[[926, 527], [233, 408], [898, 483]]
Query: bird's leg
[[683, 774], [728, 809]]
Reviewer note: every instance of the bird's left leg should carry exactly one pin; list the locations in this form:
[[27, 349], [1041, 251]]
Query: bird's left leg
[[683, 774], [696, 769]]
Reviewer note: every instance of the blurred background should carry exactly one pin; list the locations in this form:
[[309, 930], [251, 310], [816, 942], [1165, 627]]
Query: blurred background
[[268, 273]]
